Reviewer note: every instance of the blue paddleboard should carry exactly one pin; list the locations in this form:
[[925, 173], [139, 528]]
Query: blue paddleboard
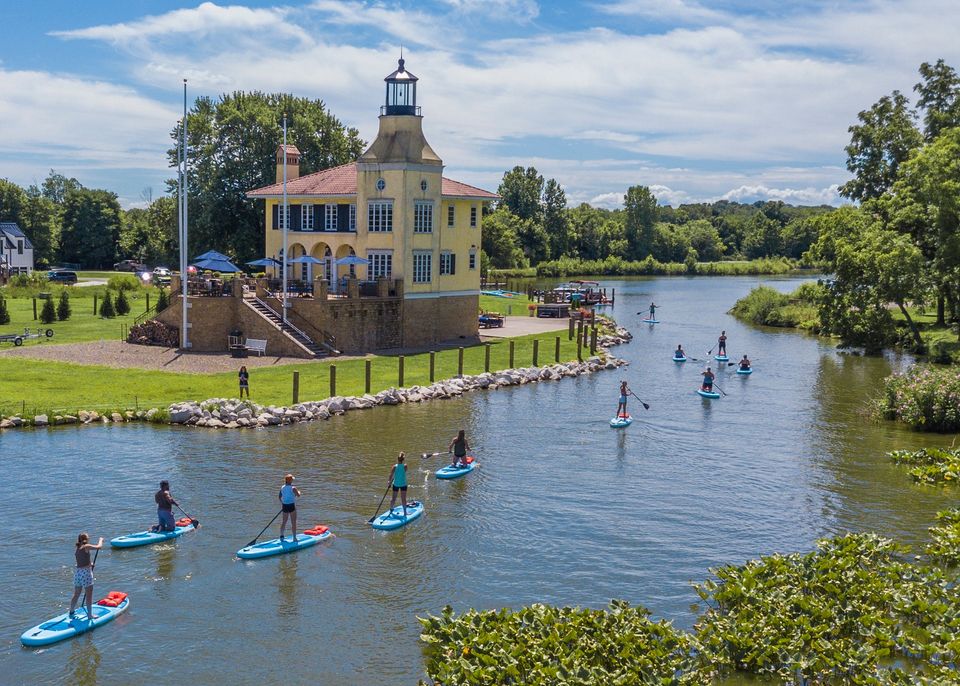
[[394, 519], [713, 395], [277, 547], [620, 422], [451, 472], [745, 371], [148, 537], [679, 359], [62, 627], [649, 321], [721, 358]]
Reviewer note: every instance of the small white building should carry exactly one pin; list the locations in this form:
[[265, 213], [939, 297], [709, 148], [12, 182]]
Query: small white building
[[16, 250]]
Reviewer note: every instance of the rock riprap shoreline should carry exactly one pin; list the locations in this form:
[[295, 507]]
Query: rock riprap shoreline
[[230, 413]]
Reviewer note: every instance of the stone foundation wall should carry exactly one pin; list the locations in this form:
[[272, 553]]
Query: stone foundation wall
[[429, 320], [359, 325]]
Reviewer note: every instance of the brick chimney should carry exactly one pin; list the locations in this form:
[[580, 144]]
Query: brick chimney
[[293, 163]]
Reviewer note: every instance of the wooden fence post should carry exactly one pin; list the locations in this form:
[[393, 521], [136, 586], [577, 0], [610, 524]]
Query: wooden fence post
[[593, 340], [333, 380], [486, 357], [511, 354], [536, 351], [570, 334], [556, 350], [460, 362], [34, 309], [579, 349], [433, 356], [94, 303], [296, 387], [148, 303], [366, 384], [400, 371]]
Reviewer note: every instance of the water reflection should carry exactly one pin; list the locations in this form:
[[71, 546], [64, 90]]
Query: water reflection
[[83, 662], [288, 586]]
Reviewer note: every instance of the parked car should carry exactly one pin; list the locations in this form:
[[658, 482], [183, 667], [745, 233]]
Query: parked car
[[62, 276], [129, 266], [161, 271]]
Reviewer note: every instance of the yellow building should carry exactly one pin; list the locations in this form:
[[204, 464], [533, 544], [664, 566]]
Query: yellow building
[[392, 209]]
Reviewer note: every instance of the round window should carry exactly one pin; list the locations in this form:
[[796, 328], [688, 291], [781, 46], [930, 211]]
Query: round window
[[381, 184], [423, 185]]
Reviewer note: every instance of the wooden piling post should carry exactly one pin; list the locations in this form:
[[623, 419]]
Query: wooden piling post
[[366, 372], [460, 361], [333, 380], [570, 333], [486, 357], [34, 309], [296, 387], [556, 350], [579, 349], [536, 352], [148, 303], [432, 363], [400, 371], [593, 340], [511, 354], [94, 303]]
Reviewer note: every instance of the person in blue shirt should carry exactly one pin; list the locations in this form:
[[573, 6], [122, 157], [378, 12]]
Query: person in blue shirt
[[288, 505], [622, 404], [398, 480]]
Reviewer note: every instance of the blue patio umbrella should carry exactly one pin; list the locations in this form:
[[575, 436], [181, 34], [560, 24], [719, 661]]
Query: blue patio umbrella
[[211, 255], [305, 259], [217, 265], [265, 262], [352, 259]]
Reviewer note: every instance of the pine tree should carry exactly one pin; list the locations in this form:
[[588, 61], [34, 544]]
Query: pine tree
[[4, 315], [63, 307], [48, 314], [106, 307], [122, 305], [163, 300]]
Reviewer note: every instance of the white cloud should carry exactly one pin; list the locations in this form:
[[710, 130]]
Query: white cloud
[[521, 10], [413, 28], [679, 10], [793, 196], [607, 201]]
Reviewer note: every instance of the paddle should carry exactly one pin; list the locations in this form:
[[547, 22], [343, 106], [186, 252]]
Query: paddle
[[254, 541], [718, 388], [439, 452], [375, 514], [195, 522], [645, 406]]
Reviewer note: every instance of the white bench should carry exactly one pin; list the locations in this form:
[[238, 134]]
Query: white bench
[[256, 345]]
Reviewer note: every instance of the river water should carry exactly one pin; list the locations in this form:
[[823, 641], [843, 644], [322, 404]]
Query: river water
[[562, 510]]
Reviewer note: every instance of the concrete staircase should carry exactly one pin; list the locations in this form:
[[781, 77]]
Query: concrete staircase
[[318, 348]]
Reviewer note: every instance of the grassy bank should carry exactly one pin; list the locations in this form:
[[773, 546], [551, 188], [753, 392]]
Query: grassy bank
[[43, 386], [616, 266], [766, 306], [516, 306]]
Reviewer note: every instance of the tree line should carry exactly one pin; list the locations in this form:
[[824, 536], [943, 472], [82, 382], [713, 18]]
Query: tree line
[[532, 225], [900, 248]]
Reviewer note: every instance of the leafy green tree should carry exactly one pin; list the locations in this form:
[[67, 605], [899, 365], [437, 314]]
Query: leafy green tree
[[106, 306], [91, 228], [640, 206], [939, 98], [40, 221], [585, 225], [4, 313], [762, 237], [797, 236], [521, 191], [555, 218], [12, 200], [500, 240], [612, 234], [704, 239], [150, 234], [232, 149], [48, 312], [670, 242], [56, 186], [163, 300], [122, 305], [878, 146], [63, 306]]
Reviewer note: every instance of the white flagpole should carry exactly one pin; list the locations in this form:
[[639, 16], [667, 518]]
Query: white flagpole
[[184, 255], [183, 273], [285, 218]]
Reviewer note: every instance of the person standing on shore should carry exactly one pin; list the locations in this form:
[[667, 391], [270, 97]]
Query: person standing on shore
[[83, 576], [165, 503], [459, 446], [398, 480], [288, 505], [244, 381]]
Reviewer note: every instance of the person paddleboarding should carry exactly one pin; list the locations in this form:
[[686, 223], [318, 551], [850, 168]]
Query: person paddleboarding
[[679, 354], [398, 480], [708, 377], [722, 344], [288, 505], [622, 404], [83, 576], [745, 363], [459, 446], [165, 503]]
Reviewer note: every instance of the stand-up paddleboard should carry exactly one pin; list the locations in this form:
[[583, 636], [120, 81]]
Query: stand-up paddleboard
[[275, 546], [741, 370], [63, 627], [679, 359], [721, 358], [649, 321], [451, 472], [713, 395], [394, 519], [150, 537], [620, 421]]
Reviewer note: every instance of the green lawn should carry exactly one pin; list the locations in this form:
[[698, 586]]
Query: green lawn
[[41, 386], [83, 324], [509, 306]]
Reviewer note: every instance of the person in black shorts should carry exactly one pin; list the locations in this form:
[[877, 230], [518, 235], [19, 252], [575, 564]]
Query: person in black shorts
[[459, 446]]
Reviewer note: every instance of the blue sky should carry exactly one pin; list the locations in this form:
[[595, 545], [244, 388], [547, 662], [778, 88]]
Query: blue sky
[[699, 100]]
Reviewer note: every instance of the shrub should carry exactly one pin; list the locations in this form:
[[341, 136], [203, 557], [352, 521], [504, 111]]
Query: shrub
[[123, 282], [48, 314], [106, 306], [163, 300], [761, 306], [122, 306], [924, 397], [4, 312], [63, 307]]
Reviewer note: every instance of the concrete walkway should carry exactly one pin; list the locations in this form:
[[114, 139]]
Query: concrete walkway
[[524, 326]]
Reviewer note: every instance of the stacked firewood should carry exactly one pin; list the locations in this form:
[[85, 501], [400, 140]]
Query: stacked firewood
[[152, 332]]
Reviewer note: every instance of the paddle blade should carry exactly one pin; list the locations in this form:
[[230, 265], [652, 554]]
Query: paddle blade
[[196, 523], [645, 406]]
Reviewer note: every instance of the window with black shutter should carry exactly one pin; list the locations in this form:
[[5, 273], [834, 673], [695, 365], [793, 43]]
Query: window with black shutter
[[276, 217], [296, 216], [343, 217]]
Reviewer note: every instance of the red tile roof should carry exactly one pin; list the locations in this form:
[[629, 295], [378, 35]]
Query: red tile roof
[[342, 180]]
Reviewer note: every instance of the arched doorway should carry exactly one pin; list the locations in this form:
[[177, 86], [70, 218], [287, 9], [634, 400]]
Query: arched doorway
[[322, 252], [345, 270], [297, 271]]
